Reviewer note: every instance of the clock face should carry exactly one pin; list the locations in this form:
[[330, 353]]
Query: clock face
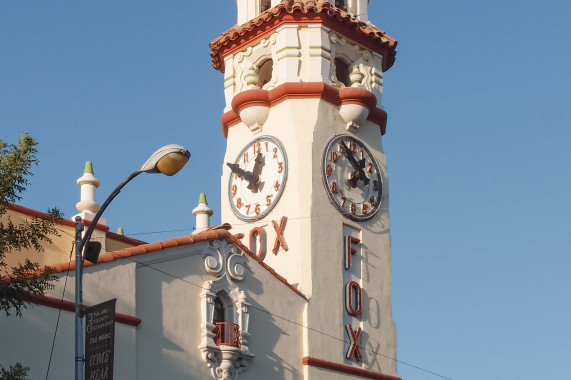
[[352, 178], [257, 178]]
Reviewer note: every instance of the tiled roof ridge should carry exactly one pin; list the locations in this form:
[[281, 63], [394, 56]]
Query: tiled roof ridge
[[217, 233], [298, 6]]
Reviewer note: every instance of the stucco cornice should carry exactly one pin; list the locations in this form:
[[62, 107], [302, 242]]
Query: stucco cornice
[[299, 12], [304, 90]]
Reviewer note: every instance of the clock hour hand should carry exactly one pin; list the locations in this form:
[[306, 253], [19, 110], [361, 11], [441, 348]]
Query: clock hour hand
[[258, 165], [252, 178], [358, 166]]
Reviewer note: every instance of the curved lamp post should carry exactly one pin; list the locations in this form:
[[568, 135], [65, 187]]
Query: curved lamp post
[[168, 160]]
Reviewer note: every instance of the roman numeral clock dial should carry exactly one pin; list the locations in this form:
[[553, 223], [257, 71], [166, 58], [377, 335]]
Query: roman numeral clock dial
[[257, 178], [352, 178]]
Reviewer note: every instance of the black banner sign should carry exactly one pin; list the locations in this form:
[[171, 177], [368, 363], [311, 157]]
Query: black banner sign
[[100, 341]]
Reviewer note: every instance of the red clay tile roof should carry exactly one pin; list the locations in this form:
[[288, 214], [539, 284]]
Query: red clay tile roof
[[311, 11], [213, 233]]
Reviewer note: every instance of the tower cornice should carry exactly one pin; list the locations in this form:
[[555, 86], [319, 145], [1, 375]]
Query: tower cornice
[[304, 13], [311, 90]]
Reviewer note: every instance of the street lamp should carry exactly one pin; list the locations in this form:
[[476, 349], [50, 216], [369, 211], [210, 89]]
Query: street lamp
[[168, 160]]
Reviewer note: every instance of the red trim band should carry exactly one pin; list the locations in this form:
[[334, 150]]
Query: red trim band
[[308, 360], [70, 306], [304, 90], [302, 13]]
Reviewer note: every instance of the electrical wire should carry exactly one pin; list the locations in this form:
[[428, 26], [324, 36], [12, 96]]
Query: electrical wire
[[376, 353], [293, 322]]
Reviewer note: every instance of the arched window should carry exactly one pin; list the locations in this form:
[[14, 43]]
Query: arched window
[[265, 72], [265, 5], [218, 315], [342, 72], [341, 4]]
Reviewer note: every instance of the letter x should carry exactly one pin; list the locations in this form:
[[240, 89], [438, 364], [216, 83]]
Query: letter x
[[279, 235], [353, 345]]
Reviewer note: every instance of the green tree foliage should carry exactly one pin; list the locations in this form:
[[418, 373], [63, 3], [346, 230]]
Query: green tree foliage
[[17, 282], [16, 372], [28, 277]]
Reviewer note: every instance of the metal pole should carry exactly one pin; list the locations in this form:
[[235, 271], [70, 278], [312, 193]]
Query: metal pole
[[78, 301], [80, 244]]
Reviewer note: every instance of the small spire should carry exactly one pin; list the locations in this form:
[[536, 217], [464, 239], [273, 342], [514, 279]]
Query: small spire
[[202, 213], [88, 184], [88, 168], [120, 231]]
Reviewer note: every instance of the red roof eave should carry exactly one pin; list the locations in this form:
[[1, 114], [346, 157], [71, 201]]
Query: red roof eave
[[298, 12], [214, 233]]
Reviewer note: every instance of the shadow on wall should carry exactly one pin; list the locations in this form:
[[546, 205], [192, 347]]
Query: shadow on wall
[[272, 338], [165, 349]]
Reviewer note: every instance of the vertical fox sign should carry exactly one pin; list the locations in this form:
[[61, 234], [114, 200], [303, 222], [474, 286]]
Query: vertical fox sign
[[100, 341]]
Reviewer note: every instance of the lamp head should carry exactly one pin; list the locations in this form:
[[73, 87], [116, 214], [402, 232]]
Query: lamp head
[[167, 160]]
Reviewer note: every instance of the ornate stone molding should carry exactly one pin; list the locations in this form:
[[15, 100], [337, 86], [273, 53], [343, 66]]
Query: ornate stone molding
[[226, 263]]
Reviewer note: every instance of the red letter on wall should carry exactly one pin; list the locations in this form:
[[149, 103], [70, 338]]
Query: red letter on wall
[[354, 343], [349, 250], [280, 237], [258, 238], [353, 298]]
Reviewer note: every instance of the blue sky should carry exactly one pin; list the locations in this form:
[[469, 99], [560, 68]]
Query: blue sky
[[477, 148]]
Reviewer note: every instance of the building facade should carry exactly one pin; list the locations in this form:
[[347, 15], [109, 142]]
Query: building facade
[[297, 283]]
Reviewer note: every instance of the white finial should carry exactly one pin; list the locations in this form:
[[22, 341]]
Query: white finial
[[87, 206], [251, 78], [356, 77], [202, 213]]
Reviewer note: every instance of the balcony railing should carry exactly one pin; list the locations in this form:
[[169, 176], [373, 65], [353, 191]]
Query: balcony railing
[[227, 334]]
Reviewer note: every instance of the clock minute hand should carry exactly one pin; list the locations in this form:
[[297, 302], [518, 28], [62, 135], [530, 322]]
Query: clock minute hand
[[359, 173], [248, 176]]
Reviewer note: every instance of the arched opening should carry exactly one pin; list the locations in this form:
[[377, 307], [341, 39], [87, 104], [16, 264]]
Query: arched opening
[[342, 72], [227, 332], [218, 315], [341, 4], [265, 72], [265, 5]]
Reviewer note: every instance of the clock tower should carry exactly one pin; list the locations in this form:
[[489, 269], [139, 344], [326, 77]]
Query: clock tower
[[304, 179]]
